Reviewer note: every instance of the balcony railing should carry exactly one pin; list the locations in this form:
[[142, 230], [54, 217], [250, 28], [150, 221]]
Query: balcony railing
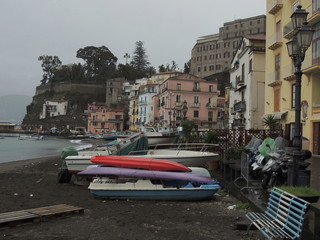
[[288, 72], [314, 13], [288, 31], [239, 81], [114, 120], [196, 89], [274, 6], [194, 104], [273, 79], [178, 104], [211, 105], [274, 41], [240, 106]]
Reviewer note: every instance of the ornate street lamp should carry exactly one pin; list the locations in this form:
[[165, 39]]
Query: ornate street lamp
[[297, 48], [184, 109]]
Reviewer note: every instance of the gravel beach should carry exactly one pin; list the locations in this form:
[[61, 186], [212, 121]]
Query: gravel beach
[[33, 183]]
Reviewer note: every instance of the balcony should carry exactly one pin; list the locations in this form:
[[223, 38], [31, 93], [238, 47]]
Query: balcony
[[311, 64], [195, 89], [211, 105], [316, 109], [314, 13], [239, 81], [274, 41], [273, 79], [114, 120], [178, 104], [288, 73], [194, 104], [238, 123], [274, 6], [240, 106], [288, 31]]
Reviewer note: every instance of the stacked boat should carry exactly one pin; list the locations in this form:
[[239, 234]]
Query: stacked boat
[[128, 177]]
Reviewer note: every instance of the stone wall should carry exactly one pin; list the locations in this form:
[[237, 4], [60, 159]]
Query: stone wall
[[72, 87]]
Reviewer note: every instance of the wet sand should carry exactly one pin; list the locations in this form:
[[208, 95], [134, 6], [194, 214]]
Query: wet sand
[[33, 183]]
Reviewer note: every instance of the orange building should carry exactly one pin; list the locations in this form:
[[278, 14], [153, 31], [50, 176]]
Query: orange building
[[102, 119]]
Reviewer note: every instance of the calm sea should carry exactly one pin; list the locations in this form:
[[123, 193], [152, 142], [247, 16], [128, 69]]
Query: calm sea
[[13, 149]]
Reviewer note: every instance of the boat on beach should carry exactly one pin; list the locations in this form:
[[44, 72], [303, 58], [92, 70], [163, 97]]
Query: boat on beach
[[31, 137], [146, 189], [139, 162], [198, 156], [137, 184]]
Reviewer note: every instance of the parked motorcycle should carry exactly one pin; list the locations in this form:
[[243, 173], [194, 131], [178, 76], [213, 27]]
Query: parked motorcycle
[[268, 148], [275, 171]]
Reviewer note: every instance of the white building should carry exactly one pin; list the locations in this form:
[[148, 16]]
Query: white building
[[53, 108], [247, 78], [145, 103]]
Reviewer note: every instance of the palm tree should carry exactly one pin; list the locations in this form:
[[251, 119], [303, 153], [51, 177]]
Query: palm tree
[[126, 56], [270, 122]]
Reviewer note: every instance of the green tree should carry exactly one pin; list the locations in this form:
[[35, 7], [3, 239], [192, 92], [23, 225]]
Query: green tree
[[162, 68], [270, 122], [187, 127], [140, 58], [100, 62], [49, 66], [187, 67]]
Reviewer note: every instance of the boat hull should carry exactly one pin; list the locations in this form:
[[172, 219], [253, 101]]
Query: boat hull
[[157, 195], [146, 190], [139, 162]]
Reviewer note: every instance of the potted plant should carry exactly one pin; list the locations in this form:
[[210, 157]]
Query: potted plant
[[309, 194]]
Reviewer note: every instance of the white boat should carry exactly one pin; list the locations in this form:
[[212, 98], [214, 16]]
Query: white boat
[[192, 155], [158, 137], [31, 137], [146, 189]]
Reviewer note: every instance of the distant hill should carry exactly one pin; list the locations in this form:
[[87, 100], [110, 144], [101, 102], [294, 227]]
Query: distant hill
[[13, 108]]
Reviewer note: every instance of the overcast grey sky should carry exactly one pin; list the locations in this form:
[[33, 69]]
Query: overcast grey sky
[[168, 28]]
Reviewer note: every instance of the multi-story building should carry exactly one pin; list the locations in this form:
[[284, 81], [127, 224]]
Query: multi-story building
[[53, 109], [213, 53], [133, 104], [102, 119], [114, 91], [162, 76], [280, 79], [145, 103], [186, 97], [247, 79]]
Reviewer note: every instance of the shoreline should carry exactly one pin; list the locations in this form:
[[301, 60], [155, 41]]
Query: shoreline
[[12, 165]]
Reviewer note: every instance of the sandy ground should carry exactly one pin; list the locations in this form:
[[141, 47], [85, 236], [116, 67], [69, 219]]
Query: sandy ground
[[33, 183]]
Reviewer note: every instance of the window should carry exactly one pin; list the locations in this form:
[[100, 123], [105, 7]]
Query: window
[[242, 72], [277, 67], [293, 94], [210, 88], [196, 86], [196, 113], [178, 98], [316, 45], [199, 69], [205, 68], [278, 31], [196, 99], [250, 66], [276, 96], [178, 87], [210, 116], [205, 57]]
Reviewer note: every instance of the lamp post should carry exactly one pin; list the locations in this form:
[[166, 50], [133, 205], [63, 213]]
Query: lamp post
[[184, 109], [174, 117], [297, 48]]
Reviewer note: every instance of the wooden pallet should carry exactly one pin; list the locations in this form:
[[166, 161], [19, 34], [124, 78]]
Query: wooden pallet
[[11, 219]]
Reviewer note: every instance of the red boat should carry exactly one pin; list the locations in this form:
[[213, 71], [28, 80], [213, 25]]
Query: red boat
[[139, 162]]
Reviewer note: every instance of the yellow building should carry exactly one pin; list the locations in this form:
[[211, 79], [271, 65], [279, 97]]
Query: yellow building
[[280, 78]]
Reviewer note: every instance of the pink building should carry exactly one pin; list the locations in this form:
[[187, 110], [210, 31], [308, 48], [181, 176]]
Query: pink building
[[102, 119], [186, 97]]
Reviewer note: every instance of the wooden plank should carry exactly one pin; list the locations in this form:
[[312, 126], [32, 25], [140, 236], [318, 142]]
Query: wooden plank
[[37, 214]]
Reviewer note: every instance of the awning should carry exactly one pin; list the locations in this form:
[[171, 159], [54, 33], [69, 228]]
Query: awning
[[276, 115]]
